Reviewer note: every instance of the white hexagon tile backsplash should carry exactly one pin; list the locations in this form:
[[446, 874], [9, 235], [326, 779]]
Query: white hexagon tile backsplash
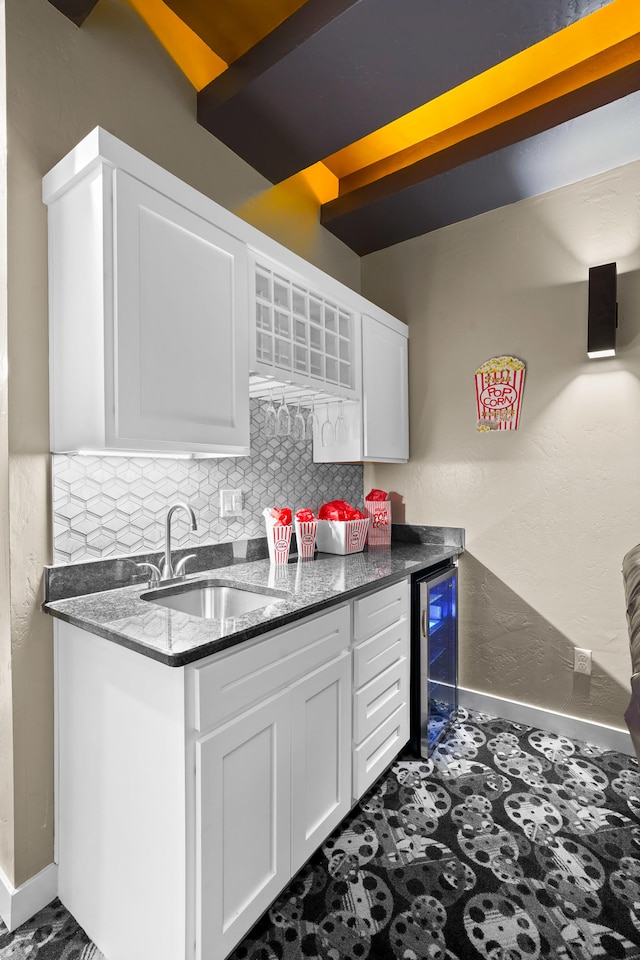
[[113, 506]]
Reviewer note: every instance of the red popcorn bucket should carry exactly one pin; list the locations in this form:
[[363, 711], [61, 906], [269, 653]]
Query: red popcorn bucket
[[306, 531], [279, 541], [379, 513]]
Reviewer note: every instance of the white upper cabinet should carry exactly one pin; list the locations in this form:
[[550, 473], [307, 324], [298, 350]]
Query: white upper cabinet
[[377, 428], [148, 312], [314, 337], [167, 313], [385, 392]]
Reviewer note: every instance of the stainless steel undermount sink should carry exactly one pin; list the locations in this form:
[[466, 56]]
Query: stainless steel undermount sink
[[214, 599]]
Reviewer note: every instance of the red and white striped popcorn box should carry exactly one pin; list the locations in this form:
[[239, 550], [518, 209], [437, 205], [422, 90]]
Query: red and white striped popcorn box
[[278, 541], [379, 512], [356, 535], [306, 531], [342, 536]]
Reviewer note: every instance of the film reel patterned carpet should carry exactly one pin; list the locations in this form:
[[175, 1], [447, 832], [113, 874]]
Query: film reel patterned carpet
[[52, 934], [508, 844]]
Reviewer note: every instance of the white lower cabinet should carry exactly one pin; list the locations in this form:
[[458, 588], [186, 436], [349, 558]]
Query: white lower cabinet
[[273, 782], [270, 787], [320, 757], [381, 660], [187, 798], [243, 823]]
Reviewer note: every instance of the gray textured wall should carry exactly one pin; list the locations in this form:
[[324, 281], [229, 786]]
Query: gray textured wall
[[550, 509]]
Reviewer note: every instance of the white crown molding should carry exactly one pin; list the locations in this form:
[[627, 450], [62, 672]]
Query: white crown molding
[[99, 148]]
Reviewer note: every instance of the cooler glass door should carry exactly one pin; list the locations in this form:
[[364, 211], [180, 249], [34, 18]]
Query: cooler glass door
[[438, 658]]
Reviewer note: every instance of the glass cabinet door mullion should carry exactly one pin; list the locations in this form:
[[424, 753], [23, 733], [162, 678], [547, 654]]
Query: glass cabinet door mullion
[[299, 330]]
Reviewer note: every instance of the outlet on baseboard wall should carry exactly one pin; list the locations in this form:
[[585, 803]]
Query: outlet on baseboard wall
[[581, 660]]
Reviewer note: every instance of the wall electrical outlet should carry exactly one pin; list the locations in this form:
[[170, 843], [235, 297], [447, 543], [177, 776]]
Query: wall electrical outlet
[[581, 661], [231, 503]]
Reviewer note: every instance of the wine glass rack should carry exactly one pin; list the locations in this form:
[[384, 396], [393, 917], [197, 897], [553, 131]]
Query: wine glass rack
[[302, 338]]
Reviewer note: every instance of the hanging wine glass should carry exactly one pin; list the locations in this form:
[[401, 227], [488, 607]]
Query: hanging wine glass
[[341, 427], [270, 415], [283, 419], [297, 427], [313, 425], [327, 433]]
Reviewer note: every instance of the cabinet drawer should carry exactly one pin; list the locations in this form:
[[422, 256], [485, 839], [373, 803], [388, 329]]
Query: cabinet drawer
[[375, 702], [235, 682], [375, 612], [373, 656], [376, 752]]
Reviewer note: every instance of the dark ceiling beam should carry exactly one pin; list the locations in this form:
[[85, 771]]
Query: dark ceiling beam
[[564, 155], [75, 10], [233, 108], [544, 117], [296, 30], [337, 70]]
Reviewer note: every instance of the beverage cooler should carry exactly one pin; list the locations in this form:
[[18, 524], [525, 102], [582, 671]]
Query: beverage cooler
[[434, 657]]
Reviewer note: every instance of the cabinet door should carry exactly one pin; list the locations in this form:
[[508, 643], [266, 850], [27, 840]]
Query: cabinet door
[[243, 801], [320, 757], [385, 392], [180, 339]]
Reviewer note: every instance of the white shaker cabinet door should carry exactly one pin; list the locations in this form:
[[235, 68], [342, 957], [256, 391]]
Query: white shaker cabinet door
[[243, 806], [180, 337], [320, 756], [385, 392], [377, 427]]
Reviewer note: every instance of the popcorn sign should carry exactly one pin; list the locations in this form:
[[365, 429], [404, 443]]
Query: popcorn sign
[[499, 386]]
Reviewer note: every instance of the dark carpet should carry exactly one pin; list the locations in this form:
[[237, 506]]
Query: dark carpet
[[52, 934], [508, 844]]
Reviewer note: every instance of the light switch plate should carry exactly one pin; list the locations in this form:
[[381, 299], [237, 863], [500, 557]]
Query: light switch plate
[[231, 503]]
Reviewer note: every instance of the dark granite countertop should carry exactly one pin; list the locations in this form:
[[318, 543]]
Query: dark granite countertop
[[305, 588]]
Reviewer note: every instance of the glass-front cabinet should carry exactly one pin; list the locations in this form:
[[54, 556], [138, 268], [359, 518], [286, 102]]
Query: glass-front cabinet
[[435, 653], [301, 336]]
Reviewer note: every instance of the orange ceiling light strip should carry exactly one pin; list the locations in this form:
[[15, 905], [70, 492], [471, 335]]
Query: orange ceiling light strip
[[197, 61], [592, 48]]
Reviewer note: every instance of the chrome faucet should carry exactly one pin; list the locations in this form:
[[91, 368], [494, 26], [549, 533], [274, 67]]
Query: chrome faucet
[[168, 573]]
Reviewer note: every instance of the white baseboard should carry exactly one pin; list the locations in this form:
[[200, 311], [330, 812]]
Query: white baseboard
[[609, 738], [19, 904]]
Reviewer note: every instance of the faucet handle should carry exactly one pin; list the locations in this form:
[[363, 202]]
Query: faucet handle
[[178, 570], [156, 576]]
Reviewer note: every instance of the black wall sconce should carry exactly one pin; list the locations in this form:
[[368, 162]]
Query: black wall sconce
[[603, 311]]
